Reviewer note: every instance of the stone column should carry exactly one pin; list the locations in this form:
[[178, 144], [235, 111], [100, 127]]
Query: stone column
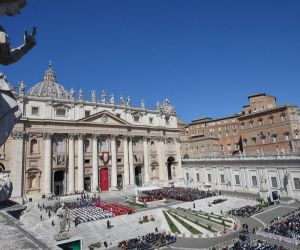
[[113, 163], [179, 174], [80, 169], [95, 182], [131, 168], [160, 150], [126, 166], [146, 160], [71, 165], [48, 162], [18, 171]]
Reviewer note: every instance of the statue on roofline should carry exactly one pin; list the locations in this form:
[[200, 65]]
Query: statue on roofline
[[111, 99], [103, 96]]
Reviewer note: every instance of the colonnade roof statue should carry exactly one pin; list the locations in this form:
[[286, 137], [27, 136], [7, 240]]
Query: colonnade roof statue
[[10, 112]]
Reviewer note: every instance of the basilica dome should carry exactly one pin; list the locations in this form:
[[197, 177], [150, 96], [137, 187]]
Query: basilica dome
[[49, 87]]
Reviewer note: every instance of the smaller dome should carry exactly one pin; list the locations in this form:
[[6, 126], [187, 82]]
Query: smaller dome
[[49, 87]]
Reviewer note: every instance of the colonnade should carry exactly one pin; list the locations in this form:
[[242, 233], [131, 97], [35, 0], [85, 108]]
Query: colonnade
[[128, 162]]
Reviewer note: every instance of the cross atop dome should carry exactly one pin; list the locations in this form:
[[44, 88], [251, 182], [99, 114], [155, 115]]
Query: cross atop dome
[[50, 74]]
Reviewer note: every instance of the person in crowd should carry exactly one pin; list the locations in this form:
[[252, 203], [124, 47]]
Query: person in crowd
[[105, 244]]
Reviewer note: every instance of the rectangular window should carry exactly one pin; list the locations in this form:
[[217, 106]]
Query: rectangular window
[[287, 136], [198, 176], [187, 176], [297, 183], [136, 118], [222, 178], [237, 179], [167, 120], [209, 177], [34, 110], [254, 181], [60, 112], [151, 120], [87, 113], [274, 182]]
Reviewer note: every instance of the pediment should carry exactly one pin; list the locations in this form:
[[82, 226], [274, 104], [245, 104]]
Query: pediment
[[104, 117]]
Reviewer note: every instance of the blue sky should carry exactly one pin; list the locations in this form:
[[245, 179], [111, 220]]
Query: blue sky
[[205, 56]]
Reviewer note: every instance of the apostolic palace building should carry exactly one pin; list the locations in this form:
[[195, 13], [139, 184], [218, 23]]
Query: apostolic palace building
[[258, 146], [68, 143]]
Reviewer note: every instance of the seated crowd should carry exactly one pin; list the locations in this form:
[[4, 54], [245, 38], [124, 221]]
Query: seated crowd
[[90, 208], [147, 242], [245, 242], [288, 226], [174, 193], [116, 209], [245, 211]]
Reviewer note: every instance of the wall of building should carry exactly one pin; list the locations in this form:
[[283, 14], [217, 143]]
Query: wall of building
[[245, 174]]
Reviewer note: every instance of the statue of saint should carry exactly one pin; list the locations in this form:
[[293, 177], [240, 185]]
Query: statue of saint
[[128, 101], [263, 183], [64, 226], [10, 112], [103, 96], [111, 99], [122, 100], [11, 7], [21, 87], [72, 93], [93, 94], [80, 94], [143, 103]]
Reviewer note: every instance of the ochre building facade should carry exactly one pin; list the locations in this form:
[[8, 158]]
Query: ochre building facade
[[262, 128]]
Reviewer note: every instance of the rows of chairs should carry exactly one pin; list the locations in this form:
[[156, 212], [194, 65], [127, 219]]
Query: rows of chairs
[[89, 213], [116, 209]]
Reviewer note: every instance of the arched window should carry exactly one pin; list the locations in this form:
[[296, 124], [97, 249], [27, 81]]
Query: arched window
[[32, 181]]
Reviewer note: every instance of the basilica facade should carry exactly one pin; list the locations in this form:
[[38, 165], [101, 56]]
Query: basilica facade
[[66, 143]]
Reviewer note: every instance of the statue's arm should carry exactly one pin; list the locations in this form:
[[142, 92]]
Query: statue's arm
[[17, 53]]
